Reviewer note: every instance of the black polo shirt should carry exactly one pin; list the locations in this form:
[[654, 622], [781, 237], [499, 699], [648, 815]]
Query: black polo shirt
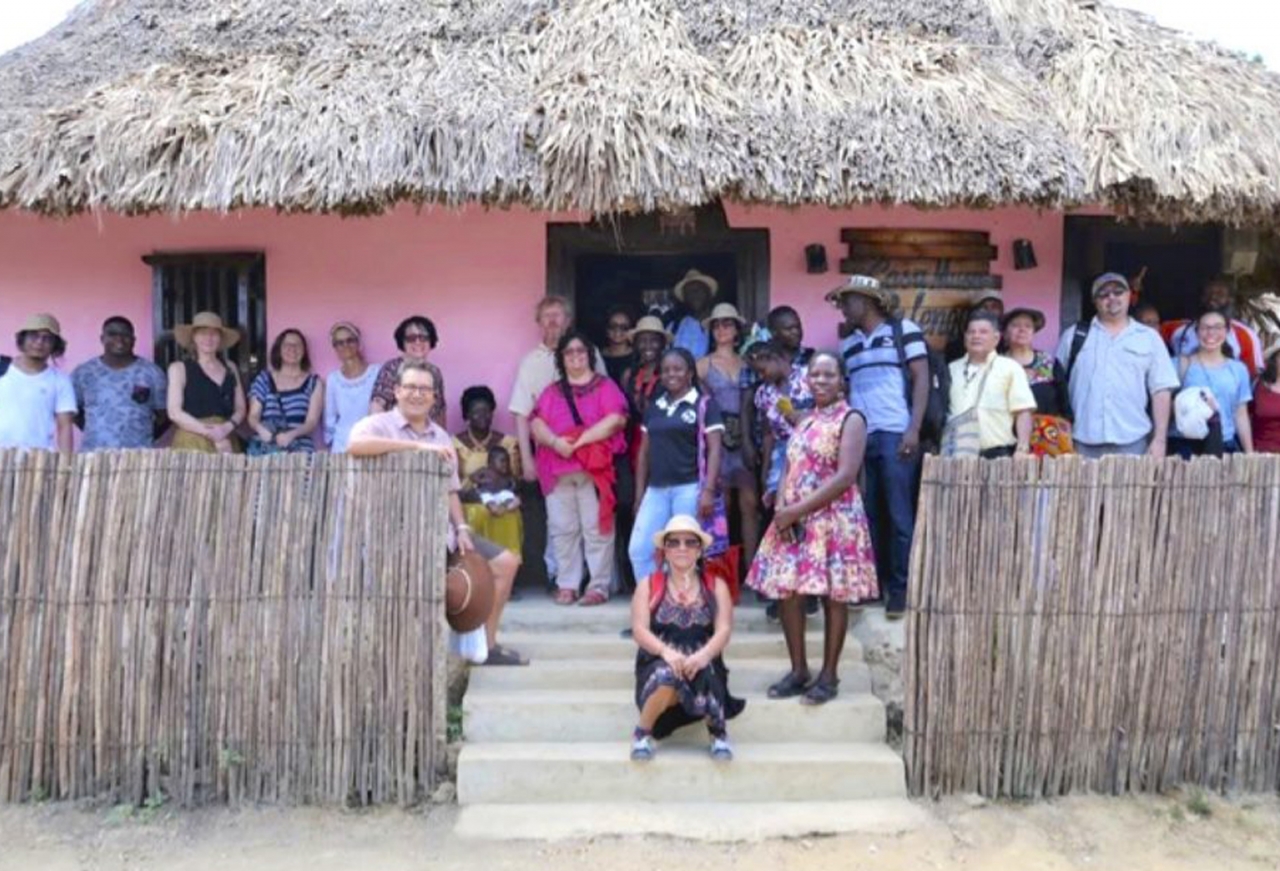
[[672, 427]]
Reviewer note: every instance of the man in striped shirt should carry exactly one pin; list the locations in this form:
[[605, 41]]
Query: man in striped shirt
[[886, 361]]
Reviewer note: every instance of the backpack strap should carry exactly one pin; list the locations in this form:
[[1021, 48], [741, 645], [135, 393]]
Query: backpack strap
[[658, 586], [1077, 343], [900, 345]]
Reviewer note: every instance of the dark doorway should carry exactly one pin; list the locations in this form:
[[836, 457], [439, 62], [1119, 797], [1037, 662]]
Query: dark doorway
[[1179, 261], [617, 261]]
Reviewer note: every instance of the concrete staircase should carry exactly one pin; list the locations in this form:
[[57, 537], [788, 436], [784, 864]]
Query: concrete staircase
[[545, 748]]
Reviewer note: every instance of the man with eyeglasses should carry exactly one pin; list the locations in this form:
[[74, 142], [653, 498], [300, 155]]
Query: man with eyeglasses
[[120, 396], [37, 402], [1114, 368], [408, 427]]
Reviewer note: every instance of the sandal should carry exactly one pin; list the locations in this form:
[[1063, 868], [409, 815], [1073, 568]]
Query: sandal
[[821, 692], [565, 597], [789, 686], [593, 597], [499, 655]]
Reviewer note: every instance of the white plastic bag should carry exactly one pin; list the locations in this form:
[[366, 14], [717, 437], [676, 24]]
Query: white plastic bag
[[1191, 412], [472, 646]]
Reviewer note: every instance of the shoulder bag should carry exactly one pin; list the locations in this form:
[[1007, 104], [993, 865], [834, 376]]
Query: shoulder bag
[[962, 436]]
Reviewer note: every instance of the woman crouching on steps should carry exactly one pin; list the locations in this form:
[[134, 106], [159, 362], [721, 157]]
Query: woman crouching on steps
[[681, 618]]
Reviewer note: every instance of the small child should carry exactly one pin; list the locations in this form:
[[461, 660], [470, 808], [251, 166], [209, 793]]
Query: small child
[[773, 404], [495, 484]]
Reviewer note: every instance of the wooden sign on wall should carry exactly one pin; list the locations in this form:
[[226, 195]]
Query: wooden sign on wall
[[937, 274]]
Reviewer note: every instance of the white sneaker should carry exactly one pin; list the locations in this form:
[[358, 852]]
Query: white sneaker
[[721, 750], [642, 749]]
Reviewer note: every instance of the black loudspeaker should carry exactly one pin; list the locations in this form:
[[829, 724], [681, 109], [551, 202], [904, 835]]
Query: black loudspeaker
[[1024, 254], [815, 259]]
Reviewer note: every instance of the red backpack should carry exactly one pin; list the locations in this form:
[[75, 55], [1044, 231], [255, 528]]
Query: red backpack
[[658, 586]]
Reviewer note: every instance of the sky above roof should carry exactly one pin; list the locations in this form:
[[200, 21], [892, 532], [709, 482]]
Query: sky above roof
[[1251, 26]]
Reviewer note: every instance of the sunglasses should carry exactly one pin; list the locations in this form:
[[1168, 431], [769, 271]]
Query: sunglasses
[[1113, 291], [416, 337], [347, 342], [675, 543]]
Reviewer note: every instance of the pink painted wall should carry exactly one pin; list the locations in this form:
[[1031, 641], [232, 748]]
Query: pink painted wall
[[476, 273]]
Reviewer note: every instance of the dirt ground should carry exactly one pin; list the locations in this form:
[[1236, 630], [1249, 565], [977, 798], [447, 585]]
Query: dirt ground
[[1133, 834]]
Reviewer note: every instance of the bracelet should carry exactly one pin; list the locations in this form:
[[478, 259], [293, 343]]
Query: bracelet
[[462, 527]]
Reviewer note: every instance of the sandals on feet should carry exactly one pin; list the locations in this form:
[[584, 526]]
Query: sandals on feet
[[499, 655], [593, 597], [790, 686], [821, 692], [565, 597]]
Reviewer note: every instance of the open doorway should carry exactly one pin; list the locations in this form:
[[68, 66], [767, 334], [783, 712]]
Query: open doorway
[[636, 261], [1178, 261]]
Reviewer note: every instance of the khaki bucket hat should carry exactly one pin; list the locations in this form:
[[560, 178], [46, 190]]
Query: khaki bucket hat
[[45, 322], [650, 324], [184, 334]]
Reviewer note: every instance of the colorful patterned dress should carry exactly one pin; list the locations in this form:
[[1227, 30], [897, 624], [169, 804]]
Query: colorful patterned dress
[[834, 557]]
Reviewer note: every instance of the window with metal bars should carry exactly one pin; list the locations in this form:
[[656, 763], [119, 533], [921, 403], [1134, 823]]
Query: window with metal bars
[[233, 285]]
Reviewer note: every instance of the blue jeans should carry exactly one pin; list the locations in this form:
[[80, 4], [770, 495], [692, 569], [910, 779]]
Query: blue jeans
[[892, 487], [658, 506]]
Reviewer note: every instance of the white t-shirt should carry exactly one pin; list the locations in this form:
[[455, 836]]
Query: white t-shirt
[[346, 401], [28, 404]]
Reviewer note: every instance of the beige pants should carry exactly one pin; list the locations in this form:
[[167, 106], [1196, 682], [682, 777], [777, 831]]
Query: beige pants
[[573, 521]]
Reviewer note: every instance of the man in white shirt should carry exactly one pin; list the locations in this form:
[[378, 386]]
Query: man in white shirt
[[37, 402]]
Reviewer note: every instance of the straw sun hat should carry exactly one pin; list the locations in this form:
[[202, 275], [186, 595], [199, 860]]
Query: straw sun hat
[[682, 523], [184, 334], [650, 324], [864, 286], [693, 276], [724, 311], [47, 323]]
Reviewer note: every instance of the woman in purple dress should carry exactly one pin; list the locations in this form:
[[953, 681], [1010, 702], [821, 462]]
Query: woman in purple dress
[[819, 543]]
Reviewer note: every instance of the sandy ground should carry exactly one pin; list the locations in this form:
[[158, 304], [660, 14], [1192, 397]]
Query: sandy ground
[[1133, 834]]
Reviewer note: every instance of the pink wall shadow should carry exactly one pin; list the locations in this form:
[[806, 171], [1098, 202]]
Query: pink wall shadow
[[476, 273]]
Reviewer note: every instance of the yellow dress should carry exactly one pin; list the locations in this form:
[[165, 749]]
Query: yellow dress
[[506, 530]]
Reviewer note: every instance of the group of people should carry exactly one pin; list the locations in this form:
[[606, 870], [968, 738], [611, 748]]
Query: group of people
[[680, 456]]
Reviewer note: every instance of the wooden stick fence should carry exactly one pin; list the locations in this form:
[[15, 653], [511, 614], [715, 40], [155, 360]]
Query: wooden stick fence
[[1106, 626], [221, 629]]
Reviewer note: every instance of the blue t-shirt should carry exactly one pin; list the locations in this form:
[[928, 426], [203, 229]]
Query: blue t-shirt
[[1230, 386]]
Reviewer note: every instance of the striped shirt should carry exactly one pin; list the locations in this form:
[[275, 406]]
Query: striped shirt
[[287, 409], [878, 378]]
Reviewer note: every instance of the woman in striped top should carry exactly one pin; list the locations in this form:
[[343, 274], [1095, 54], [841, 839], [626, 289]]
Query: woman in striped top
[[286, 400]]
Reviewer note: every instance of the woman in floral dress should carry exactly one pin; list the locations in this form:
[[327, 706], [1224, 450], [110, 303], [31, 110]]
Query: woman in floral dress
[[819, 543]]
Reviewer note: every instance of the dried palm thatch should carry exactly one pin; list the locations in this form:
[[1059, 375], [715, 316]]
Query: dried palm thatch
[[623, 105]]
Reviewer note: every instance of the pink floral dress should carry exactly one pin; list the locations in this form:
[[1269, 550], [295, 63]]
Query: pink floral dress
[[834, 557]]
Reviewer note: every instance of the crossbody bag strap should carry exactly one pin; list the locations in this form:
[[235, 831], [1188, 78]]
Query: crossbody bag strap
[[982, 384], [568, 397]]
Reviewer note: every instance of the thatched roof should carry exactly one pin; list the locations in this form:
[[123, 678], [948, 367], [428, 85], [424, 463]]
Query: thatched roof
[[607, 105]]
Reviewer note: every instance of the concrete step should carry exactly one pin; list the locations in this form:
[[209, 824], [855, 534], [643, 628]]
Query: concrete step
[[542, 773], [713, 821], [610, 715], [538, 613], [588, 647], [745, 675]]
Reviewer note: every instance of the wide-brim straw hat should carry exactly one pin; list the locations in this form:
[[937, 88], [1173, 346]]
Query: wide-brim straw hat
[[864, 286], [682, 523], [650, 324], [693, 276], [184, 334], [724, 311], [45, 322], [468, 592], [1037, 317]]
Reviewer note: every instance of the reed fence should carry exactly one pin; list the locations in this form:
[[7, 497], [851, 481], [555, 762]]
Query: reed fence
[[213, 628], [1105, 626]]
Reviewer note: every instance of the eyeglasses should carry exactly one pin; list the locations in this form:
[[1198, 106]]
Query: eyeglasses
[[1110, 291], [416, 337], [417, 389], [674, 543], [347, 342], [575, 352]]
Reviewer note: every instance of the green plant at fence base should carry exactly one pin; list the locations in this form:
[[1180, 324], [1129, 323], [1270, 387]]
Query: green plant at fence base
[[229, 758], [454, 729], [1198, 803]]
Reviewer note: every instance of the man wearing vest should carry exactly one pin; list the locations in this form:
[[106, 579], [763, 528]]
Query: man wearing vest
[[1114, 366], [881, 358]]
